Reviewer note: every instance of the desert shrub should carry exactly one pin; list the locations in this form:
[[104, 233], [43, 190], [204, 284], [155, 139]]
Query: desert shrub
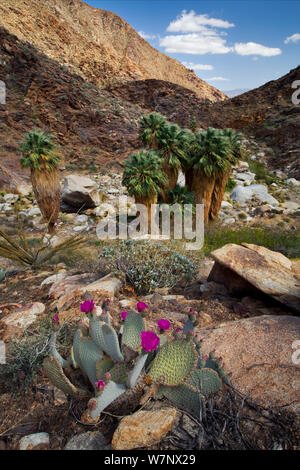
[[25, 355], [147, 266], [280, 239], [230, 185]]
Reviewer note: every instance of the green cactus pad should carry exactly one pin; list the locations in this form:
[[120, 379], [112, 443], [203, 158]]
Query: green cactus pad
[[112, 347], [173, 363], [56, 375], [103, 366], [76, 343], [97, 333], [89, 355], [136, 371], [206, 381], [119, 373], [54, 353], [183, 397], [104, 398], [133, 326]]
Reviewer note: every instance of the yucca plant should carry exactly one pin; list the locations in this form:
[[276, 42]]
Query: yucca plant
[[209, 159], [20, 250], [144, 178], [235, 153], [150, 129], [40, 156]]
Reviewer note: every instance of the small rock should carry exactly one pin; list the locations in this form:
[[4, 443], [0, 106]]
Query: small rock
[[88, 441], [213, 288], [245, 177], [290, 205], [34, 212], [80, 228], [226, 205], [82, 219], [293, 182], [59, 397], [36, 441], [229, 220], [10, 198], [143, 429]]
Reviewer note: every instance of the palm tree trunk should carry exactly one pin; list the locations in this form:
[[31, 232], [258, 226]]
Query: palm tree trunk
[[202, 186], [46, 188], [217, 195], [172, 175], [147, 202], [189, 178]]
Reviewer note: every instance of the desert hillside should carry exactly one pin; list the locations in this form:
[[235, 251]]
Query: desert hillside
[[96, 44]]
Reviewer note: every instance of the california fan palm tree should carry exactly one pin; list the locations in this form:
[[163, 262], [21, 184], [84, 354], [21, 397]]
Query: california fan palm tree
[[144, 178], [209, 160], [151, 126], [40, 156], [234, 155], [173, 145]]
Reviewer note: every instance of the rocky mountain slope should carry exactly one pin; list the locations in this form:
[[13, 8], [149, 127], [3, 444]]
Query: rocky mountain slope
[[96, 44]]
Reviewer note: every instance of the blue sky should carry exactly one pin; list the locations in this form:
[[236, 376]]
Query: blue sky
[[230, 44]]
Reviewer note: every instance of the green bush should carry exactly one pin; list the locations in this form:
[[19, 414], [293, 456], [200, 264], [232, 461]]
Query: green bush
[[230, 185], [147, 266]]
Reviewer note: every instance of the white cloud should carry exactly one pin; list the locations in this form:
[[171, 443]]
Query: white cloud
[[252, 48], [146, 36], [217, 79], [195, 43], [190, 22], [294, 38], [191, 65]]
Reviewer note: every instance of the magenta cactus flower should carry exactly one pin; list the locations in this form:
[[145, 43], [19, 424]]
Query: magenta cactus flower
[[107, 375], [100, 384], [87, 306], [141, 306], [124, 315], [150, 341], [163, 324], [55, 320]]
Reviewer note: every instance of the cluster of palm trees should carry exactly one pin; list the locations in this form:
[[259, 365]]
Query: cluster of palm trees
[[150, 175], [204, 157]]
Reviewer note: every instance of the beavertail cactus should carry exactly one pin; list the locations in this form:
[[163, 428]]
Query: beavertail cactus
[[119, 365]]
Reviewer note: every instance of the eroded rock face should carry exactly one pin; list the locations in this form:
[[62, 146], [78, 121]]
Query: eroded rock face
[[259, 353], [143, 429], [251, 267]]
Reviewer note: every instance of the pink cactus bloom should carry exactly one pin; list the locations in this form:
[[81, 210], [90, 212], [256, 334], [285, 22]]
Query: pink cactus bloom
[[141, 306], [124, 315], [100, 384], [55, 319], [87, 306], [150, 341], [163, 324]]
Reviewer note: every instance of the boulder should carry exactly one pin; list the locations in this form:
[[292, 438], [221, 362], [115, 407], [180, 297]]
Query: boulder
[[247, 177], [38, 441], [79, 192], [243, 194], [88, 441], [143, 429], [10, 198], [249, 268], [259, 353], [24, 316]]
